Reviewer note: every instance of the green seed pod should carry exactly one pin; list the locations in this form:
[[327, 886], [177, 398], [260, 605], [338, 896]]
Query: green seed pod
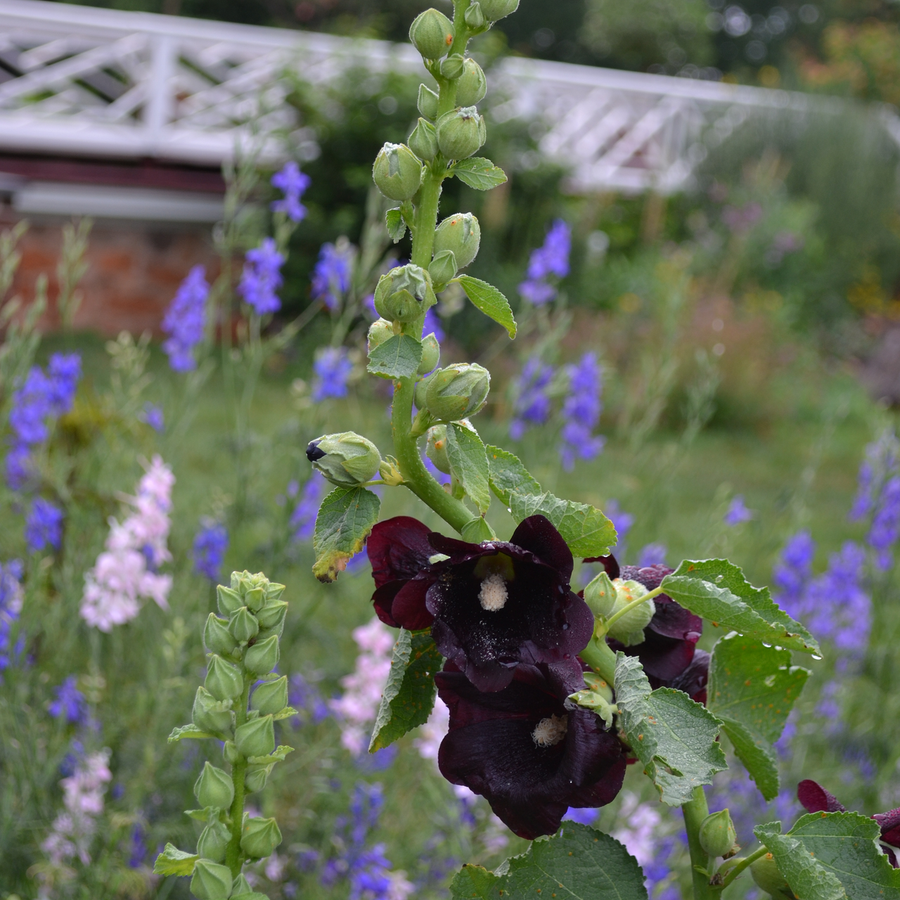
[[263, 656], [272, 615], [211, 881], [223, 680], [260, 837], [472, 85], [436, 448], [431, 354], [443, 267], [256, 777], [423, 140], [404, 293], [216, 636], [271, 697], [457, 392], [256, 737], [431, 33], [213, 841], [629, 630], [717, 834], [427, 103], [214, 788], [211, 715], [767, 877], [452, 67], [498, 9], [243, 625], [461, 132], [474, 17], [228, 600], [397, 172], [346, 459], [460, 233], [379, 331]]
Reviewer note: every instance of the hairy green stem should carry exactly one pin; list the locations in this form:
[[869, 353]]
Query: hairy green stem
[[742, 864], [630, 606], [695, 811], [601, 658]]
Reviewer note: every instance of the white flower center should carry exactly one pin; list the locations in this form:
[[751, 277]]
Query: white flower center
[[550, 731], [493, 594]]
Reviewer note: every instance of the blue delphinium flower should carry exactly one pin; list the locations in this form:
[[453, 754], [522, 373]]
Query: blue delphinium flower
[[185, 320], [64, 371], [549, 261], [153, 416], [262, 277], [885, 526], [10, 607], [303, 518], [432, 323], [882, 457], [793, 572], [292, 183], [332, 369], [652, 555], [737, 512], [581, 412], [210, 545], [331, 275], [532, 403], [69, 703], [43, 527], [138, 844]]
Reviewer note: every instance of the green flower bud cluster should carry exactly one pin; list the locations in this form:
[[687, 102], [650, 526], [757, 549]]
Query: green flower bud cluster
[[404, 294]]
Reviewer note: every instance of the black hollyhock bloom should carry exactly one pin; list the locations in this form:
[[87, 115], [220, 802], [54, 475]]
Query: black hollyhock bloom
[[491, 606], [524, 751], [815, 798]]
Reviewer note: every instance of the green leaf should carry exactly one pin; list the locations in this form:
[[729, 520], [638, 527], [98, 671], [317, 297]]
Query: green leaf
[[408, 696], [188, 731], [478, 173], [344, 521], [490, 301], [585, 529], [468, 464], [752, 689], [716, 590], [674, 737], [396, 227], [276, 756], [286, 713], [398, 357], [577, 863], [173, 861]]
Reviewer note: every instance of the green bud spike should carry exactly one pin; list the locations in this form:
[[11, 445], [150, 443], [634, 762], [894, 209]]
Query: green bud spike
[[211, 881], [213, 841], [461, 132], [223, 680], [397, 172], [453, 66], [431, 354], [210, 714], [498, 9], [260, 837], [379, 331], [346, 459], [443, 267], [427, 103], [431, 33], [423, 140], [460, 233], [256, 737], [271, 697], [457, 392], [214, 787], [717, 834], [228, 599], [436, 448], [767, 877], [629, 630], [472, 85], [216, 636], [256, 777], [243, 625], [272, 616], [263, 656], [404, 294]]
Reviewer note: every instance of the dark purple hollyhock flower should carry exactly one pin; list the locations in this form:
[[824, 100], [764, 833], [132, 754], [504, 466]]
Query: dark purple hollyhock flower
[[816, 799], [667, 652], [524, 751], [491, 605]]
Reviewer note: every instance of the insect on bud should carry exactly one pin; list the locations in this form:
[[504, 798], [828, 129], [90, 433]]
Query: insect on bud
[[460, 233], [443, 267], [472, 85], [461, 132], [427, 102], [404, 293], [431, 33], [457, 391], [211, 881], [423, 140], [397, 172], [346, 459]]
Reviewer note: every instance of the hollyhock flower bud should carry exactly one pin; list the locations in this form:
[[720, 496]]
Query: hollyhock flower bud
[[460, 233], [379, 331], [474, 17], [256, 777], [431, 33], [230, 753], [213, 841], [273, 590], [472, 85], [436, 448], [498, 9], [397, 172], [457, 392], [255, 597], [431, 354], [214, 788], [260, 837], [404, 293], [767, 877], [717, 834], [223, 680], [427, 102], [243, 625], [443, 267], [461, 132], [346, 459], [263, 656], [453, 66], [216, 636], [600, 595], [272, 615], [229, 600], [271, 697], [210, 714], [629, 630], [256, 737], [211, 881], [240, 887], [423, 140]]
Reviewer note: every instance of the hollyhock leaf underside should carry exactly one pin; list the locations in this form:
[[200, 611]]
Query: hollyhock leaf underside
[[468, 464], [408, 696], [578, 862], [832, 856], [478, 173], [173, 861], [345, 518], [717, 591], [674, 737], [752, 689], [486, 298], [585, 529], [398, 357], [396, 227]]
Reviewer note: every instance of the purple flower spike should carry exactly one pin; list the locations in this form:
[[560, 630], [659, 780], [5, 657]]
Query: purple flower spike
[[261, 277], [292, 183], [581, 412], [548, 261], [70, 703], [185, 321], [524, 751], [737, 512], [43, 527], [332, 369], [331, 275], [210, 546], [532, 406]]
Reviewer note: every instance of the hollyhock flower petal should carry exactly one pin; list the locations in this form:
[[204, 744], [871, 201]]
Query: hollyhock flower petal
[[524, 751]]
